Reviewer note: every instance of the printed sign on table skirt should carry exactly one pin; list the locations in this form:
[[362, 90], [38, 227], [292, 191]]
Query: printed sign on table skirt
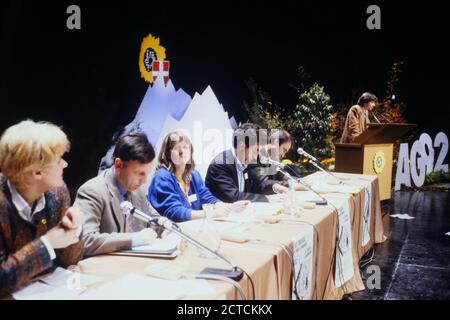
[[367, 213], [303, 256], [344, 257]]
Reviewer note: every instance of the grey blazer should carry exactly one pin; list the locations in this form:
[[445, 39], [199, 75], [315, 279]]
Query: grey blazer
[[99, 200]]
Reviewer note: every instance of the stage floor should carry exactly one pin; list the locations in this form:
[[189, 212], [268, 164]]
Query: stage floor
[[415, 260]]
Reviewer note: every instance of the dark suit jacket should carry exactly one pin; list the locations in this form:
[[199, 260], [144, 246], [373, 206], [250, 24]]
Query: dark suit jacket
[[263, 177], [222, 180]]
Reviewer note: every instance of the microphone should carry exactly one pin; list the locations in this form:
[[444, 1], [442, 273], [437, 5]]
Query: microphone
[[386, 119], [271, 161], [375, 117], [316, 162], [128, 208], [306, 154]]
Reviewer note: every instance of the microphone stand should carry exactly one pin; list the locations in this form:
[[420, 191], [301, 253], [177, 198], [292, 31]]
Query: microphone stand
[[236, 273], [315, 164], [300, 180], [170, 226], [326, 171], [375, 117], [281, 167]]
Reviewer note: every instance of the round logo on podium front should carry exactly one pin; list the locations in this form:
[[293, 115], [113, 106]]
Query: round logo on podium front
[[379, 161]]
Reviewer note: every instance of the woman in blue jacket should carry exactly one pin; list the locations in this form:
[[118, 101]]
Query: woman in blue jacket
[[177, 190]]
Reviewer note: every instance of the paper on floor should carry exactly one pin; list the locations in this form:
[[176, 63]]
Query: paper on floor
[[403, 216]]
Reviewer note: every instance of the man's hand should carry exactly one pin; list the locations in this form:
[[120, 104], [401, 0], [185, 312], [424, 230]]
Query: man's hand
[[278, 188], [221, 209], [276, 197], [239, 206], [61, 238], [148, 235], [300, 187], [73, 219]]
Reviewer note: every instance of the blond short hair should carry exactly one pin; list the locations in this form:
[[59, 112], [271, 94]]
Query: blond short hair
[[29, 146]]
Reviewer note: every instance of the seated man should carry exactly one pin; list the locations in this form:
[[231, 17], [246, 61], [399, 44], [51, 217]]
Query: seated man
[[107, 229], [227, 175], [265, 177], [38, 228]]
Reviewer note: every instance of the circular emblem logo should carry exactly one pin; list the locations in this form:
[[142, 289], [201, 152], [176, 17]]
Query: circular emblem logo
[[150, 51], [379, 161]]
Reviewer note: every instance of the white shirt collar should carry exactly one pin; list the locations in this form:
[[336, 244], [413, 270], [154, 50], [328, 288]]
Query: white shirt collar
[[22, 206], [239, 166]]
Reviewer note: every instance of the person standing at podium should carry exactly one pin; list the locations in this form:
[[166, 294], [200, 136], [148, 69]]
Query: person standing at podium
[[358, 117]]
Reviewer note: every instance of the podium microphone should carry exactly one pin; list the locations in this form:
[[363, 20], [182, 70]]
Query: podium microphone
[[386, 119], [315, 163], [375, 117], [236, 273]]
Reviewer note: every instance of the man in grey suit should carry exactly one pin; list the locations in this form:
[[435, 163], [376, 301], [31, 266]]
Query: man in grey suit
[[106, 228]]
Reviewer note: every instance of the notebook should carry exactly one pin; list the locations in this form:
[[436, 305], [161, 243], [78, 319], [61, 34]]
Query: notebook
[[162, 248]]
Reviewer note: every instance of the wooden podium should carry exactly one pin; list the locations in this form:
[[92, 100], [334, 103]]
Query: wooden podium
[[372, 153]]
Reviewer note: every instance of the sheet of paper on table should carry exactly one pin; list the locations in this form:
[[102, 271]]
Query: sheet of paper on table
[[254, 211], [324, 187], [306, 196], [42, 291], [61, 284], [263, 209], [168, 243], [222, 225], [139, 287]]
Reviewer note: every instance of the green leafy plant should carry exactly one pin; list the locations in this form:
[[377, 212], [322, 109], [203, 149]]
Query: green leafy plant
[[437, 177], [310, 123]]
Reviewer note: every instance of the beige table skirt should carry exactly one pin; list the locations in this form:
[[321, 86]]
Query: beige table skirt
[[266, 262]]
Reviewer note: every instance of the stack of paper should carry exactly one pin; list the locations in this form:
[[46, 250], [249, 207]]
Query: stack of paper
[[166, 245]]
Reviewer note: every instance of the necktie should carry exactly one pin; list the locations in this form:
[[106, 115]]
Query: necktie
[[131, 223]]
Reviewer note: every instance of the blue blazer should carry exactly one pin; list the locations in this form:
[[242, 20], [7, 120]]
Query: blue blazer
[[168, 199]]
